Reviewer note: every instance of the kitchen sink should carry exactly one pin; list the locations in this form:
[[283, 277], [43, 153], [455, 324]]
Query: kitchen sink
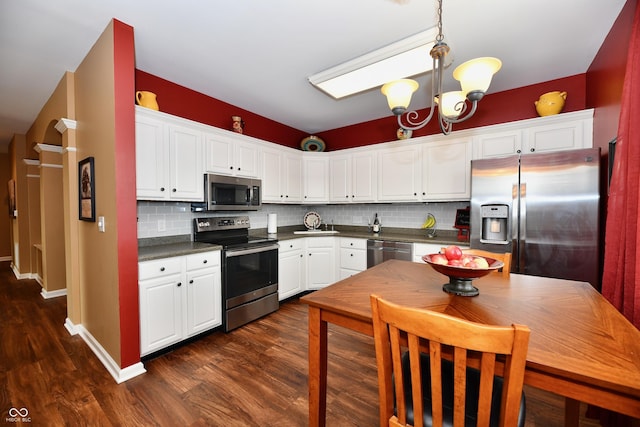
[[317, 232]]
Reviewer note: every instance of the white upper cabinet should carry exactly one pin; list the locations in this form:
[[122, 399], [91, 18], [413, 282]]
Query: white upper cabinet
[[447, 170], [315, 169], [566, 131], [281, 175], [352, 176], [230, 155], [399, 173], [168, 158]]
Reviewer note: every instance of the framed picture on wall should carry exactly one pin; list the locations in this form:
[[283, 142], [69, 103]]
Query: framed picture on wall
[[86, 193]]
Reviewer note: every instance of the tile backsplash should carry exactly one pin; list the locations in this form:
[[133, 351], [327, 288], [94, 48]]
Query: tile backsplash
[[161, 219]]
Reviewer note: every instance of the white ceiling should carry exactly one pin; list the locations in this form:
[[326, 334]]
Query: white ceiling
[[257, 55]]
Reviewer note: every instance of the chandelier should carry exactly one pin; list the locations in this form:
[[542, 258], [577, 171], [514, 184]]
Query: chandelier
[[474, 77]]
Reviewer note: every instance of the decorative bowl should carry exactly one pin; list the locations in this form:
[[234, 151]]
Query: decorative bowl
[[460, 277]]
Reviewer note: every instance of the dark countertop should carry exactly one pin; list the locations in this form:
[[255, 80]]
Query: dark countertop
[[165, 247]]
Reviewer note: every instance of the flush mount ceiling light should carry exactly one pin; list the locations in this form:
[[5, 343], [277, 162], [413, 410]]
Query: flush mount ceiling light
[[474, 76], [404, 58]]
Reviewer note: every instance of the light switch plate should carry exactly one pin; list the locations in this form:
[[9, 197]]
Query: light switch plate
[[101, 224]]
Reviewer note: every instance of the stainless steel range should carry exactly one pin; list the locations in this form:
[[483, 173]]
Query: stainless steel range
[[249, 268]]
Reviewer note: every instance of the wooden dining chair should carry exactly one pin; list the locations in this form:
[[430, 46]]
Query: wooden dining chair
[[426, 385]]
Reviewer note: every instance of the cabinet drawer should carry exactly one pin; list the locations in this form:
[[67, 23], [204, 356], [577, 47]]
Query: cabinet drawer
[[353, 259], [203, 260], [159, 268], [291, 245], [353, 243]]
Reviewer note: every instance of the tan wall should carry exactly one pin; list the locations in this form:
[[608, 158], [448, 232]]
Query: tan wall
[[5, 221], [21, 250], [95, 137]]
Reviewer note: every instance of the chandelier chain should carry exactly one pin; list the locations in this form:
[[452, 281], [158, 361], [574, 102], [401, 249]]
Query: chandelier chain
[[440, 36]]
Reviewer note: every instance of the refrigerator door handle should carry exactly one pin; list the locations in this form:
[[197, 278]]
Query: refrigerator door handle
[[522, 243]]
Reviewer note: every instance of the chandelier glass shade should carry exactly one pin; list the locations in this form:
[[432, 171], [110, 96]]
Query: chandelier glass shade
[[474, 77]]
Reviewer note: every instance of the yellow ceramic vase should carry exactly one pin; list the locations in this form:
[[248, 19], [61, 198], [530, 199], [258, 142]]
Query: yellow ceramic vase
[[147, 100], [550, 103]]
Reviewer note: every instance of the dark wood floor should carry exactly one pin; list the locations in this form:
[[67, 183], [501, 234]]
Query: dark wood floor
[[253, 376]]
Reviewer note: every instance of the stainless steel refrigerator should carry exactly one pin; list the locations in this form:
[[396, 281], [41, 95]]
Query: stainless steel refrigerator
[[543, 208]]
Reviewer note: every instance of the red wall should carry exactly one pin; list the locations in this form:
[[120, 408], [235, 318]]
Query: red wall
[[189, 104], [605, 78], [501, 107], [125, 178]]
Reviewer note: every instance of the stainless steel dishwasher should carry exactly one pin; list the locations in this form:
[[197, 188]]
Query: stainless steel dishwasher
[[379, 251]]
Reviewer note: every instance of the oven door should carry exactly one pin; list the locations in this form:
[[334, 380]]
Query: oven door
[[249, 274]]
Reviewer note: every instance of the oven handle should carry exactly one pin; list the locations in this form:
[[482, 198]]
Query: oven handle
[[239, 252]]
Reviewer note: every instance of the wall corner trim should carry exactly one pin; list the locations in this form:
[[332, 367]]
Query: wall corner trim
[[64, 124], [119, 374]]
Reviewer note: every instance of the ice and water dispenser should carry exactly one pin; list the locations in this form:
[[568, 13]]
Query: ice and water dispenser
[[495, 221]]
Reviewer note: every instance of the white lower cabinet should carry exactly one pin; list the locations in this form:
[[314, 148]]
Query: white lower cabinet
[[291, 268], [179, 297], [321, 262], [353, 256]]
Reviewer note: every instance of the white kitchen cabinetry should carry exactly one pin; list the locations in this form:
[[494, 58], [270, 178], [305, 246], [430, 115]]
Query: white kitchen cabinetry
[[399, 173], [315, 177], [568, 131], [229, 155], [352, 177], [353, 256], [281, 176], [446, 172], [179, 297], [168, 157], [420, 249], [291, 268], [321, 261]]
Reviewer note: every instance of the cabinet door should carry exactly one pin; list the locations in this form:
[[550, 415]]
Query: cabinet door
[[245, 160], [363, 181], [218, 153], [271, 165], [447, 170], [161, 312], [340, 179], [399, 174], [316, 179], [204, 300], [187, 176], [556, 137], [291, 277], [151, 159], [498, 144], [321, 262], [292, 178]]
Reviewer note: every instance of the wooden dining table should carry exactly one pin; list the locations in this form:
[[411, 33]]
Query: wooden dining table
[[581, 347]]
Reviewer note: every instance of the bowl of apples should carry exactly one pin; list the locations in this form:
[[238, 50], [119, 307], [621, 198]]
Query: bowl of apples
[[461, 269]]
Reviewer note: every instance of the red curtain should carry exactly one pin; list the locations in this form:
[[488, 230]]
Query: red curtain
[[621, 280]]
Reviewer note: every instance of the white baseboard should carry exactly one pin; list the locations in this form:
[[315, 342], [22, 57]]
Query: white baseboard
[[70, 326], [53, 294], [118, 373], [5, 258]]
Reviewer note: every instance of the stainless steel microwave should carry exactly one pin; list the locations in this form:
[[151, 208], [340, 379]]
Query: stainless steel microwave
[[229, 193]]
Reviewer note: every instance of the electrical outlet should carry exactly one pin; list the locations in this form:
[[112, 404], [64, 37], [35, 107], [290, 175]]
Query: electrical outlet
[[162, 225]]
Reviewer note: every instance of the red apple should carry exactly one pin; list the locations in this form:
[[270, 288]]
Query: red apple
[[439, 259], [453, 252], [455, 263]]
